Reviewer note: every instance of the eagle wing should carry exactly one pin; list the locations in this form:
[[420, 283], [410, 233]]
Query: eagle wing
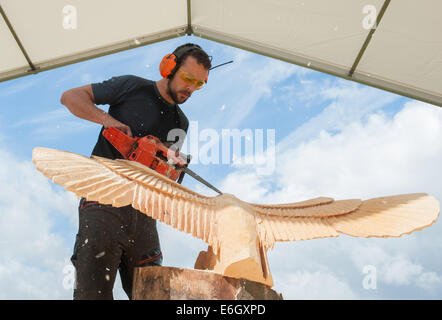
[[322, 217], [123, 182]]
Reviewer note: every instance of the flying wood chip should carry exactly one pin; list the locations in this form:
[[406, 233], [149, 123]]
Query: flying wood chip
[[238, 233]]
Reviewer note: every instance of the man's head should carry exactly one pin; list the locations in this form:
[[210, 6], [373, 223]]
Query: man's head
[[190, 73]]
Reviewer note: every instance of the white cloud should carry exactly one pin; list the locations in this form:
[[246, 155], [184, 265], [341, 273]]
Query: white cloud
[[249, 189], [395, 265], [305, 285], [20, 281], [33, 250], [261, 82], [349, 102], [400, 271], [57, 114], [429, 280], [365, 158], [63, 128], [19, 86], [391, 269], [53, 124], [179, 249]]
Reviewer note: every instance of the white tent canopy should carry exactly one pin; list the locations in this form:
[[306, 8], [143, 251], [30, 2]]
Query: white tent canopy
[[401, 53]]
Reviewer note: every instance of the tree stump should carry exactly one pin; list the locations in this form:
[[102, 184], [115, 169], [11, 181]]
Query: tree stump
[[170, 283]]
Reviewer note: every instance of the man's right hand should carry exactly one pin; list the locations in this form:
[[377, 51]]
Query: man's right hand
[[109, 121]]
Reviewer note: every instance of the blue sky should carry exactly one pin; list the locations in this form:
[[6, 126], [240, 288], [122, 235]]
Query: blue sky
[[333, 138]]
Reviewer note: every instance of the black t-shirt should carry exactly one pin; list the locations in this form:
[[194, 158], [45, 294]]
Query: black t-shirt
[[137, 103]]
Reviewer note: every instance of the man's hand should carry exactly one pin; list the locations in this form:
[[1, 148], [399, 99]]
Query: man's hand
[[109, 121]]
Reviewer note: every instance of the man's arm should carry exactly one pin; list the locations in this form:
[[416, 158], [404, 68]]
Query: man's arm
[[81, 102]]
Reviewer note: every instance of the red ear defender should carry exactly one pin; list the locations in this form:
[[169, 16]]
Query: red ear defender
[[167, 64]]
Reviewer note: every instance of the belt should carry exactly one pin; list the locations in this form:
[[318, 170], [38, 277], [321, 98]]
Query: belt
[[84, 203]]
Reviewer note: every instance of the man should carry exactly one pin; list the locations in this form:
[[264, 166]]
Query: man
[[111, 239]]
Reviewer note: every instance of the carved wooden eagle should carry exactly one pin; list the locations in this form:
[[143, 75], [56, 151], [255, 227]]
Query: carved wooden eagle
[[238, 233]]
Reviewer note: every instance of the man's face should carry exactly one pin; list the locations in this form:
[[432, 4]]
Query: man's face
[[180, 90]]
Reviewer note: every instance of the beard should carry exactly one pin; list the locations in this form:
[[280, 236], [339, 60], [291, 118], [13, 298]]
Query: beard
[[174, 94]]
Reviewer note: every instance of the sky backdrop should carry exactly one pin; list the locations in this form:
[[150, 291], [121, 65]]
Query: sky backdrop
[[333, 138]]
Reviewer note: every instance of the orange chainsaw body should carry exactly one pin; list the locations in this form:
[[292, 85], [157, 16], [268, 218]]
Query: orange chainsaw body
[[147, 150]]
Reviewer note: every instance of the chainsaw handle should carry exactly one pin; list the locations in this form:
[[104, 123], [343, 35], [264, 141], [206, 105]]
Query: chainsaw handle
[[173, 156], [122, 142]]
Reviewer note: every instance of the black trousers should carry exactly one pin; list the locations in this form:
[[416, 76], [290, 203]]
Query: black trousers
[[111, 239]]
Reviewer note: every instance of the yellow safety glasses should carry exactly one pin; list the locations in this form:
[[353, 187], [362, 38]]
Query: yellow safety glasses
[[187, 78]]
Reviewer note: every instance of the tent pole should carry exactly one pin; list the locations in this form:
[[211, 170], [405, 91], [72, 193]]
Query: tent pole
[[368, 39], [189, 30], [14, 34]]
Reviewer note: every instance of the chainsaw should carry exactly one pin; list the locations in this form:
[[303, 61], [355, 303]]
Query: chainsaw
[[152, 153]]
